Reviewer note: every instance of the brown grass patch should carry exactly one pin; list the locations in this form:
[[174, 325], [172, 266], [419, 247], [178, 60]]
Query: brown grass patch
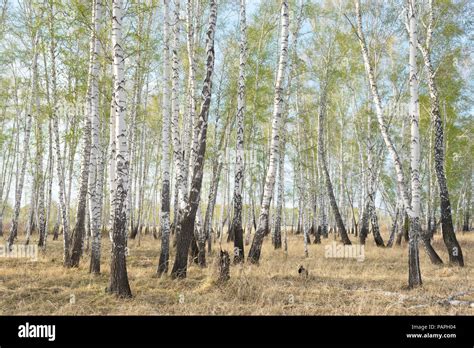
[[334, 286]]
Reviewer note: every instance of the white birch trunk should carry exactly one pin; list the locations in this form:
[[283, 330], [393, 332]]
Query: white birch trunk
[[26, 143], [186, 221], [177, 146], [239, 158], [112, 164], [449, 237], [118, 268], [63, 211], [254, 254], [95, 156], [165, 152], [413, 258]]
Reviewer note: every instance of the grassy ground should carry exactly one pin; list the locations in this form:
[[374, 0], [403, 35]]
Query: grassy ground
[[334, 286]]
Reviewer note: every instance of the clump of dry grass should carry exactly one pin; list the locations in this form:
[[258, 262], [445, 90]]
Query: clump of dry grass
[[334, 286]]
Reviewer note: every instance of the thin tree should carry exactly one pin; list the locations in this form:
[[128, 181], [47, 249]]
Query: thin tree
[[118, 266], [89, 163], [414, 274], [95, 156], [165, 153], [449, 237], [187, 216], [63, 211], [414, 147], [323, 161], [236, 228], [26, 143], [263, 221]]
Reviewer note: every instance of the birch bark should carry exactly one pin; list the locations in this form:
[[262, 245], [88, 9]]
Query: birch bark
[[118, 267], [165, 152], [263, 221]]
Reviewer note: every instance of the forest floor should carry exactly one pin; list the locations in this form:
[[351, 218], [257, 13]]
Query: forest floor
[[374, 286]]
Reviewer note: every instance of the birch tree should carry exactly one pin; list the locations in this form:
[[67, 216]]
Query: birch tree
[[449, 237], [323, 161], [118, 266], [88, 166], [236, 227], [414, 148], [292, 71], [187, 216], [175, 129], [63, 211], [165, 152], [414, 274], [95, 157], [263, 220], [26, 143]]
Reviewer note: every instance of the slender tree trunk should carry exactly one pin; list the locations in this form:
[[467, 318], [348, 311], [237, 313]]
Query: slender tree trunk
[[96, 165], [217, 168], [30, 227], [449, 237], [364, 224], [112, 159], [190, 141], [414, 274], [414, 278], [4, 201], [217, 165], [322, 156], [63, 212], [394, 229], [39, 168], [87, 170], [200, 238], [280, 201], [165, 154], [185, 227], [118, 267], [255, 250], [43, 236], [180, 187], [371, 186], [280, 197], [26, 143], [190, 134], [239, 159]]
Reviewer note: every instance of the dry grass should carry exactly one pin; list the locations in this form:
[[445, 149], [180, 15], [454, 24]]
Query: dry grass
[[334, 286]]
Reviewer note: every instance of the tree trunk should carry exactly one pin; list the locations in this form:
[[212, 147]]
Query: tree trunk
[[63, 210], [26, 143], [280, 197], [224, 265], [371, 186], [414, 274], [43, 235], [394, 229], [374, 222], [449, 237], [322, 157], [79, 229], [185, 227], [236, 227], [165, 154], [96, 165], [39, 175], [414, 268], [255, 250], [118, 267], [364, 224]]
